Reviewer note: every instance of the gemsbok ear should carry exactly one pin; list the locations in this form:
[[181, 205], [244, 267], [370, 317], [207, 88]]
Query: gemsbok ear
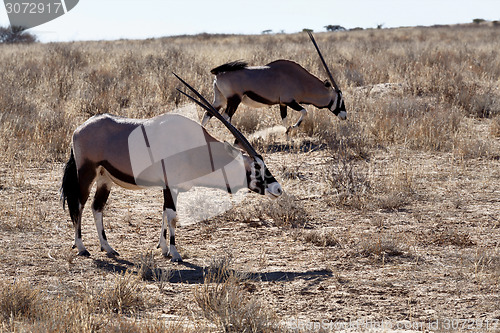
[[327, 83]]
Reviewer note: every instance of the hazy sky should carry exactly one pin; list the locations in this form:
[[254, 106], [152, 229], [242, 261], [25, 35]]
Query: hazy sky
[[138, 19]]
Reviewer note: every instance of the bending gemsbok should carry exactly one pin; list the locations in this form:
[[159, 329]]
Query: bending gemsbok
[[282, 82], [168, 151]]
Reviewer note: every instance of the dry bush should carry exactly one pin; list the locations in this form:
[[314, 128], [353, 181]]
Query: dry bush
[[48, 89], [20, 300], [323, 238], [380, 246], [346, 184], [286, 211], [24, 308], [149, 270], [224, 301], [219, 270], [123, 295], [495, 127], [451, 237]]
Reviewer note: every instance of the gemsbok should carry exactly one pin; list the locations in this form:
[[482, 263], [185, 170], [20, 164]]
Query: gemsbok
[[282, 82], [169, 151]]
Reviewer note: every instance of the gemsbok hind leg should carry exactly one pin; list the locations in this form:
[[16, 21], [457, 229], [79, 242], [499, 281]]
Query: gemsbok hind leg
[[76, 187], [100, 198], [169, 221]]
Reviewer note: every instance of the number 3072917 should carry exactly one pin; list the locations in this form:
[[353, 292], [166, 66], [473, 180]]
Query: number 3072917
[[33, 7]]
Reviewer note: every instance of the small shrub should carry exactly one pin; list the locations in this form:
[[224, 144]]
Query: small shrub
[[226, 304], [286, 211], [149, 270], [495, 126], [325, 238], [123, 296], [451, 237], [382, 246], [20, 300]]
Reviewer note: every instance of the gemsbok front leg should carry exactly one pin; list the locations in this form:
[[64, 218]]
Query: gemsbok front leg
[[219, 102], [169, 221], [101, 196], [297, 107]]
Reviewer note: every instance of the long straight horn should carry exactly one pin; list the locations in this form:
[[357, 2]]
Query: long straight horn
[[210, 109], [323, 61]]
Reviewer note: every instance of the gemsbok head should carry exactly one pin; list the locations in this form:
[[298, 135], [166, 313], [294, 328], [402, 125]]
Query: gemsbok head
[[170, 151], [282, 82]]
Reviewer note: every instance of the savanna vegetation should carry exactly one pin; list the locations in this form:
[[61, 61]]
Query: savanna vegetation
[[392, 214]]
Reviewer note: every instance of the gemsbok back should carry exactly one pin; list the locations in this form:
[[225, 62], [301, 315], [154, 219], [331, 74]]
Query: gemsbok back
[[168, 151], [282, 82]]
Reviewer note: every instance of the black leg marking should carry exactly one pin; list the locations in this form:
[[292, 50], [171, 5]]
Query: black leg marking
[[172, 240], [283, 111], [100, 198], [294, 105], [232, 104], [259, 99], [104, 235], [164, 234], [168, 199]]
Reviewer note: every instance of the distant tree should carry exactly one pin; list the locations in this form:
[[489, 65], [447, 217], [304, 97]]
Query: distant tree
[[266, 32], [15, 34], [380, 26], [332, 27], [478, 20], [307, 30]]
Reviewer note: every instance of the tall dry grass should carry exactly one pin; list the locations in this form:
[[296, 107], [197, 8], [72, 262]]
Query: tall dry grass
[[415, 89], [445, 74]]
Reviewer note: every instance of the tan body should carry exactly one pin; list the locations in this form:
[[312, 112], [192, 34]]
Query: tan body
[[281, 82], [168, 151]]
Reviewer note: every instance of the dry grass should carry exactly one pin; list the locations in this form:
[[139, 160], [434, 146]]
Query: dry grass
[[224, 300], [409, 181]]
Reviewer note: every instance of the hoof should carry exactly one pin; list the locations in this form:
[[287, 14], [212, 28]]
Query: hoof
[[176, 260], [84, 253]]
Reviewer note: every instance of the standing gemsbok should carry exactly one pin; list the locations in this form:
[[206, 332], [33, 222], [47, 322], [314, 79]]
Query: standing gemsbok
[[168, 151], [282, 82]]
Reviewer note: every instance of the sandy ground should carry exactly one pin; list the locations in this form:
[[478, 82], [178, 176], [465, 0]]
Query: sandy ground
[[432, 260]]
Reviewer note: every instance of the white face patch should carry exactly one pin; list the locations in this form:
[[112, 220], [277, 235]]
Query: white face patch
[[334, 104]]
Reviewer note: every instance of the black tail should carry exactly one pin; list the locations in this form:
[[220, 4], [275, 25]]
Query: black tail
[[229, 67], [70, 188]]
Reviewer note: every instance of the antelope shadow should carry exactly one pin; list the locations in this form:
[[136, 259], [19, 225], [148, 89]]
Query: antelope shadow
[[189, 273]]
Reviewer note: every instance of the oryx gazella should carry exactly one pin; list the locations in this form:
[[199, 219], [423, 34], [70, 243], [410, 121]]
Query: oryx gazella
[[282, 82], [108, 149]]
